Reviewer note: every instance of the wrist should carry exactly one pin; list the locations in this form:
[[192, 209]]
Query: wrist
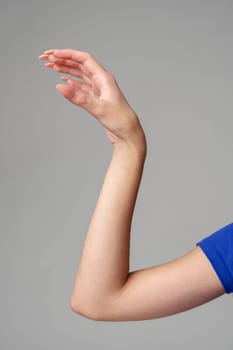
[[136, 144]]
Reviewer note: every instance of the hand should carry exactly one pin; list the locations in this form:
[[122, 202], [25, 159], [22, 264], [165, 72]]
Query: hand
[[96, 91]]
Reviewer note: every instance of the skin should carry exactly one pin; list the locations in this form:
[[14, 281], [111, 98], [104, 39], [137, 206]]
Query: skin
[[104, 288]]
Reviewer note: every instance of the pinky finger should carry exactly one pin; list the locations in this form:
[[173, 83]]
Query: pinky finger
[[74, 83]]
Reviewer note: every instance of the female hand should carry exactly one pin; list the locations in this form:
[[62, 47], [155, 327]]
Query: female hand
[[96, 91]]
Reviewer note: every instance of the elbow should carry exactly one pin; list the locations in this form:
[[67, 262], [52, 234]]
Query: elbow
[[102, 308], [82, 310]]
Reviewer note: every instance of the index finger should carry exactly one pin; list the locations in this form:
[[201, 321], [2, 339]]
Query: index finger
[[82, 57]]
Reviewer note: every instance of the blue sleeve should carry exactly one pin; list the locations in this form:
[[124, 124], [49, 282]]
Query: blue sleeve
[[218, 247]]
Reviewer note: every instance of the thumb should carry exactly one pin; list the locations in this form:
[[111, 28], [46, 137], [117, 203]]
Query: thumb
[[78, 97], [66, 90]]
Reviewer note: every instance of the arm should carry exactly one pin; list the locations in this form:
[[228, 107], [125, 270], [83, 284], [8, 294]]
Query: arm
[[104, 289]]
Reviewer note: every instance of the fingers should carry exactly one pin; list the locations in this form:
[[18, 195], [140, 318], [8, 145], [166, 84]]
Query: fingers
[[75, 83], [67, 70], [81, 86], [65, 66], [79, 97], [60, 61], [43, 57], [48, 52], [91, 65]]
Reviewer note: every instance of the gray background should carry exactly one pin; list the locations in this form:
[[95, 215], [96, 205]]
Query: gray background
[[173, 61]]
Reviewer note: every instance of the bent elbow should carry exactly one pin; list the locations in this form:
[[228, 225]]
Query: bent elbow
[[85, 311]]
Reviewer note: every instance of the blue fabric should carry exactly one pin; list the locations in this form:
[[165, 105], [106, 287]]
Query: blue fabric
[[218, 247]]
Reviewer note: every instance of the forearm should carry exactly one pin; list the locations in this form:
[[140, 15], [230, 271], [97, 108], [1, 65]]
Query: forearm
[[104, 263]]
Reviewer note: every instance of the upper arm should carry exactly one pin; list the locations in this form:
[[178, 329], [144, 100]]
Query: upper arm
[[166, 289]]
